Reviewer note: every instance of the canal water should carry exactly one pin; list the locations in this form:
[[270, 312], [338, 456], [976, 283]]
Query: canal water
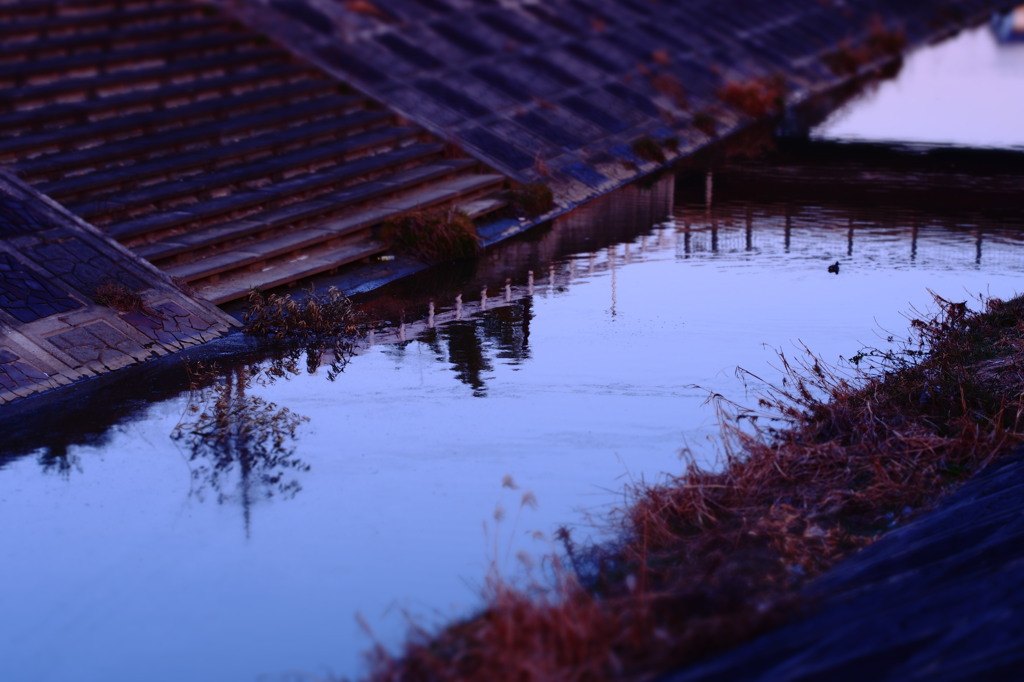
[[501, 401]]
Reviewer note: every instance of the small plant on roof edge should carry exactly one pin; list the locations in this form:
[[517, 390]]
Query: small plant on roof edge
[[115, 295], [705, 122], [756, 98], [317, 315], [433, 235], [882, 43], [647, 147], [531, 200]]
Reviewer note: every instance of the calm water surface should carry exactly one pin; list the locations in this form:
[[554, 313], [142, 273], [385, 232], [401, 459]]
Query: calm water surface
[[145, 557], [966, 91]]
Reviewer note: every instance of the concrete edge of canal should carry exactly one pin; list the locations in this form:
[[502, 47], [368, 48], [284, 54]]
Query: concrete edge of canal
[[74, 303]]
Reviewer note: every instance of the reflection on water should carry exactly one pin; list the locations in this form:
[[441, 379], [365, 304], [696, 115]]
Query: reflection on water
[[241, 446], [872, 237], [59, 461], [968, 91], [462, 343], [566, 358]]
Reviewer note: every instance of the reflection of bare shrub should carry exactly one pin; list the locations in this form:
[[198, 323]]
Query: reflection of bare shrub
[[433, 235], [117, 296], [755, 98], [241, 445]]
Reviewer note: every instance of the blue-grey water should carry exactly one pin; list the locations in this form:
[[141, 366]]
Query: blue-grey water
[[137, 555]]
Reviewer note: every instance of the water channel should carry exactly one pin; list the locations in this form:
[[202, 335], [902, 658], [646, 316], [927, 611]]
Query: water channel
[[573, 360]]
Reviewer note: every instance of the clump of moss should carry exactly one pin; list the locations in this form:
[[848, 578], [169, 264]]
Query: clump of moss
[[433, 235], [756, 98], [115, 295], [647, 147], [531, 200]]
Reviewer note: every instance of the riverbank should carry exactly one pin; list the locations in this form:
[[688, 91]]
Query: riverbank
[[827, 463]]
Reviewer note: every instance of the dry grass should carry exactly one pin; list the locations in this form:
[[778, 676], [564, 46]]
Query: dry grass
[[706, 122], [320, 325], [882, 43], [433, 235], [670, 86], [315, 315], [532, 199], [826, 463], [647, 147], [115, 295], [757, 97]]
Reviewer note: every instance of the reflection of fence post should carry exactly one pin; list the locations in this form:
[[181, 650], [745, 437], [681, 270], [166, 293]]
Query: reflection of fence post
[[709, 183], [529, 282], [430, 316], [508, 290], [483, 299], [458, 307]]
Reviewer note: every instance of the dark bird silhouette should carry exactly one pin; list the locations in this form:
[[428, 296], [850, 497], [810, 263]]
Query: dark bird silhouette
[[834, 268]]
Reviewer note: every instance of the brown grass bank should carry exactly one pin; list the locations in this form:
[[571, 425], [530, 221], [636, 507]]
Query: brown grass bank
[[826, 463]]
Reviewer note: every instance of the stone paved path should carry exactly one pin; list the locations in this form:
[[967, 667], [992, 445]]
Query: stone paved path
[[74, 304]]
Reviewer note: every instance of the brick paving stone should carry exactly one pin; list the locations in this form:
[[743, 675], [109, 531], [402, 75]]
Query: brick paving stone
[[51, 266], [26, 295]]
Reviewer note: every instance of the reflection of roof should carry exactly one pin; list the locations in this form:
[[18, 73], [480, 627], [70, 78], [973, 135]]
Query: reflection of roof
[[1009, 27]]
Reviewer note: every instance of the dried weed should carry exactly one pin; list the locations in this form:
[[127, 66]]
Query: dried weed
[[433, 235]]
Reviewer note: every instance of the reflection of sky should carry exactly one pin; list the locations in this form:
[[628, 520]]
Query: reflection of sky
[[967, 91], [571, 391]]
